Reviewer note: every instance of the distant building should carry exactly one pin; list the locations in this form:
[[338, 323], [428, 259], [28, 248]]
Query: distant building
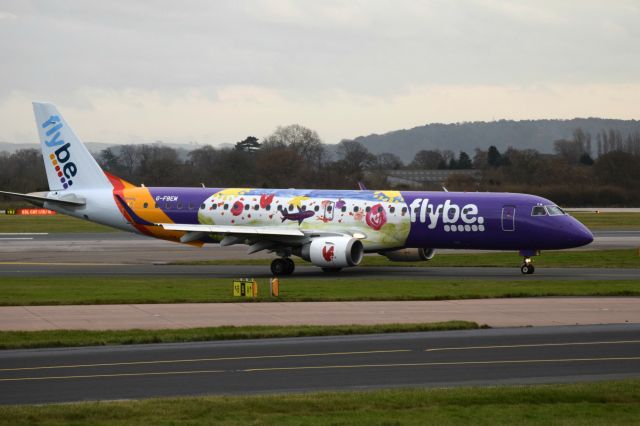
[[250, 144], [426, 178]]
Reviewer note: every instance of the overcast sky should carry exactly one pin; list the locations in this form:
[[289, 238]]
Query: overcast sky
[[215, 71]]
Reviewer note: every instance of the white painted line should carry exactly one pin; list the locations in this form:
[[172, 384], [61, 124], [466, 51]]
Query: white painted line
[[24, 233], [22, 238]]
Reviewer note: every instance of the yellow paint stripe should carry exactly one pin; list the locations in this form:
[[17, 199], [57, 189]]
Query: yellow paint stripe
[[179, 361], [94, 376], [61, 264], [434, 364], [539, 345], [321, 367]]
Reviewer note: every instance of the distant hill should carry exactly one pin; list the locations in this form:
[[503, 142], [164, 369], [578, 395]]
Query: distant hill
[[535, 134]]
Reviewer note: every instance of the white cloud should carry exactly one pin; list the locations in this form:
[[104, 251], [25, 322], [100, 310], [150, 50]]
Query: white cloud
[[343, 67]]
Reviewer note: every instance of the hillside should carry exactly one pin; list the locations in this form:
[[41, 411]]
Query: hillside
[[535, 134]]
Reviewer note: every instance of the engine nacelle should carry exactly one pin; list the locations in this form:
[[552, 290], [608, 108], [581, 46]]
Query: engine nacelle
[[333, 252], [410, 254]]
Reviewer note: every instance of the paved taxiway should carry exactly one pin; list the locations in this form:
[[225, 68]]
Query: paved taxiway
[[121, 247], [515, 312], [507, 356]]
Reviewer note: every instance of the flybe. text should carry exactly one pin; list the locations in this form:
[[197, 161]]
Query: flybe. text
[[454, 218], [60, 158]]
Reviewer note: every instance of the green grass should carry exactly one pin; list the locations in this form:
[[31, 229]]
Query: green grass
[[18, 291], [597, 221], [618, 258], [52, 224], [67, 338], [601, 403]]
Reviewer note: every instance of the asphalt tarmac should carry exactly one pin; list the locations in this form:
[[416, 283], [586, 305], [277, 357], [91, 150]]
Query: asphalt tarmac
[[437, 359], [126, 248]]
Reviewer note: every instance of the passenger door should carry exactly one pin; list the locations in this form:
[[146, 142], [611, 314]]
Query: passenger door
[[509, 218]]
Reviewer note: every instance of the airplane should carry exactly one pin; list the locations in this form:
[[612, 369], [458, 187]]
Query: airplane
[[332, 229]]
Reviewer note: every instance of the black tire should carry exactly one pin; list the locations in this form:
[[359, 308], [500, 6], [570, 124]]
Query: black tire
[[331, 270], [531, 269], [526, 269], [291, 266], [279, 267]]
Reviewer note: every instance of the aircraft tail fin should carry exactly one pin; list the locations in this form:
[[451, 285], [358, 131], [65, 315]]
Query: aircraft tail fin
[[68, 162]]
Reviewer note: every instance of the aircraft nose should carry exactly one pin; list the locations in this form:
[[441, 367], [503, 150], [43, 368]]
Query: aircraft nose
[[580, 234]]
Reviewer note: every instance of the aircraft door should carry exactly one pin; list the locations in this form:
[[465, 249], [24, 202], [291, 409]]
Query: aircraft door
[[509, 218]]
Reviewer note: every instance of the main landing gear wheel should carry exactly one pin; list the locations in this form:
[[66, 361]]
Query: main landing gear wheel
[[282, 266]]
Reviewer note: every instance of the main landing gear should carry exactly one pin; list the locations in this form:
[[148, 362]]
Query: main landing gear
[[282, 266], [527, 267]]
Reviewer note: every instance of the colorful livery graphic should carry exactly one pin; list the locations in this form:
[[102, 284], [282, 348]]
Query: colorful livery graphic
[[332, 229]]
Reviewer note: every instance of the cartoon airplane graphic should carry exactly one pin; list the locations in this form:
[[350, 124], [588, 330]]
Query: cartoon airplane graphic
[[332, 229]]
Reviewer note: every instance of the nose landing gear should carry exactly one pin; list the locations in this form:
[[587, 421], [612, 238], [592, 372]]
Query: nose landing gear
[[282, 266], [527, 267]]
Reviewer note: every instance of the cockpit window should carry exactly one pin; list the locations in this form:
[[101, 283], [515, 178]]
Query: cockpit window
[[538, 211], [554, 211]]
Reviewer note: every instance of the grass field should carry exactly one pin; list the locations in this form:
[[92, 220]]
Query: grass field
[[603, 403], [595, 221], [618, 258], [113, 290], [68, 338], [53, 224]]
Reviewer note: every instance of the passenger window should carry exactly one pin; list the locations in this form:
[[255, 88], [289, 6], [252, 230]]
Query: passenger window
[[269, 207], [355, 209], [290, 207], [316, 208], [303, 208], [344, 209], [368, 209], [392, 209], [190, 205], [202, 206], [404, 210], [256, 207], [538, 211], [247, 206], [379, 210], [226, 206], [145, 205], [329, 208], [213, 206], [179, 205]]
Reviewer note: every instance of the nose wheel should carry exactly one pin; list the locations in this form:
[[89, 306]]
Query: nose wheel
[[282, 266], [527, 267]]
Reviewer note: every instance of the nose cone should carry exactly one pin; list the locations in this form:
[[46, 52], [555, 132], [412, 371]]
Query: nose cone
[[578, 234]]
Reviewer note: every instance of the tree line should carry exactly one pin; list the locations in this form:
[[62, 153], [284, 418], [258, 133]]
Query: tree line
[[294, 156]]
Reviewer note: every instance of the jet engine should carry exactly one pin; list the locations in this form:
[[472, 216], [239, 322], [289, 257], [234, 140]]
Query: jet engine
[[333, 252], [409, 254]]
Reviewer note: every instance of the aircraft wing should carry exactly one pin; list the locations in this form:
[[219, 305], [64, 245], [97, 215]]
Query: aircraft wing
[[237, 230]]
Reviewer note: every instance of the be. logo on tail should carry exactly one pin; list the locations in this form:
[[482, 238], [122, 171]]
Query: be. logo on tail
[[61, 156]]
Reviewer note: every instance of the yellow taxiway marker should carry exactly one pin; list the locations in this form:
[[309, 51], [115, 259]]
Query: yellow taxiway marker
[[445, 363], [93, 376], [179, 361], [325, 367], [533, 345]]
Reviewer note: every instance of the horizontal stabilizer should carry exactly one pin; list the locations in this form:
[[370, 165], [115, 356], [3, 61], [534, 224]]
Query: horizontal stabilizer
[[39, 198], [244, 230]]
